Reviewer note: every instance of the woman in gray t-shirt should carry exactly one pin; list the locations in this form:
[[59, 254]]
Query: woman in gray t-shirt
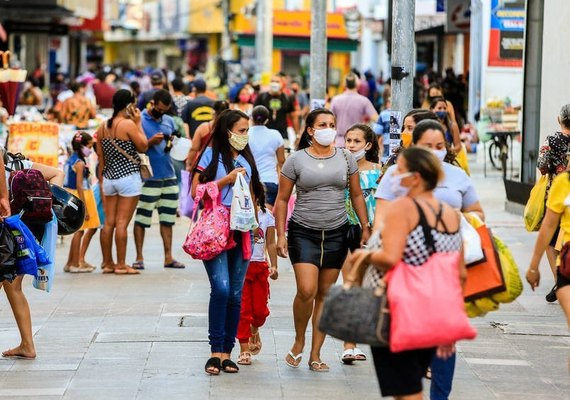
[[316, 242]]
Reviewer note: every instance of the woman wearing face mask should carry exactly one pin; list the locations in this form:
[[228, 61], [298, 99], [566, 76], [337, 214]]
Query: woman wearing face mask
[[228, 155], [436, 90], [418, 174], [455, 189], [243, 101], [317, 244], [361, 142]]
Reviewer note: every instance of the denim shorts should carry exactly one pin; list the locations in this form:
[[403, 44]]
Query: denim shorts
[[270, 193], [128, 186]]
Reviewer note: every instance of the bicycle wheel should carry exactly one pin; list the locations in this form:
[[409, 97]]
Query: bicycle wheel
[[495, 155]]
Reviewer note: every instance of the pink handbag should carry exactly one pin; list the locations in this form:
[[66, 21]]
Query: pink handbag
[[210, 235], [426, 304]]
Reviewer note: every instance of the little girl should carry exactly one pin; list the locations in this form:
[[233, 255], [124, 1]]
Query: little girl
[[77, 183], [255, 295], [361, 142]]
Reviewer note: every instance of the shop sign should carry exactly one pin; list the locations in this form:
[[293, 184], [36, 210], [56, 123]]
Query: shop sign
[[506, 38], [296, 24], [39, 141]]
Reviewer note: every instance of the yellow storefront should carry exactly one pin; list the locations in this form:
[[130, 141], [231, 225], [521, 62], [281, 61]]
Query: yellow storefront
[[291, 43]]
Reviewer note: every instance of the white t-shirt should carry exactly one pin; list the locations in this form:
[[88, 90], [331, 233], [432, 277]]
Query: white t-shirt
[[266, 220], [263, 143]]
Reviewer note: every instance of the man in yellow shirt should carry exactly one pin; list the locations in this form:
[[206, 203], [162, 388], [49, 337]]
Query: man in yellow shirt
[[77, 110]]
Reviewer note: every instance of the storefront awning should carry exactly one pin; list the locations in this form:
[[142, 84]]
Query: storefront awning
[[301, 44]]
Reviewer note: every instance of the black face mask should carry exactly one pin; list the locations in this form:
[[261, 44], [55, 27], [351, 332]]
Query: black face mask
[[156, 114]]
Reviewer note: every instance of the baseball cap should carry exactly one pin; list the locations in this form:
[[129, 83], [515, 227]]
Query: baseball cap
[[199, 84], [156, 76]]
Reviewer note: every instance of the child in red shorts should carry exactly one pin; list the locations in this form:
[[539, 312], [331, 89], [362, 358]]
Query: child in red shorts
[[255, 294]]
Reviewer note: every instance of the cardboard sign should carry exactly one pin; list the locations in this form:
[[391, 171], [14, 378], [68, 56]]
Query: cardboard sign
[[38, 141]]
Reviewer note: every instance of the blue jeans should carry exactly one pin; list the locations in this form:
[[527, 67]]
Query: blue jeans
[[441, 377], [270, 192], [178, 167], [226, 273]]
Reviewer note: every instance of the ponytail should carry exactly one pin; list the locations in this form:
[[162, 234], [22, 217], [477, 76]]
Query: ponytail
[[305, 140]]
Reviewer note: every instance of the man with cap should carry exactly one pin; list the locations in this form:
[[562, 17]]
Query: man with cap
[[157, 82], [200, 109]]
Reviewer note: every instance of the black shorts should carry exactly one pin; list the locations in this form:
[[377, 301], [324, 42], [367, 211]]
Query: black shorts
[[561, 281], [401, 374], [323, 248]]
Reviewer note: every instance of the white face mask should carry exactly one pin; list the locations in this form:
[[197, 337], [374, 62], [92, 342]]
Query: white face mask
[[359, 154], [440, 154], [396, 185], [274, 87], [325, 137]]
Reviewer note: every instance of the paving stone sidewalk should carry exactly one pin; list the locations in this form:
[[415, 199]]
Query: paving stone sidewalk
[[144, 337]]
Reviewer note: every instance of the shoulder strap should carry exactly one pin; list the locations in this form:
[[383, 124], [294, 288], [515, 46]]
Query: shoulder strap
[[124, 153], [426, 227], [438, 215]]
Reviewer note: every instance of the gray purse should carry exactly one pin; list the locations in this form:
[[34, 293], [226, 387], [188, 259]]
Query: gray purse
[[355, 314]]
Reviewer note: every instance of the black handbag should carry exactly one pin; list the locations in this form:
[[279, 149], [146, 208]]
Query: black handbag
[[355, 314]]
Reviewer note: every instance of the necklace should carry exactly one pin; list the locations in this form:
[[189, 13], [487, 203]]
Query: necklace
[[320, 158]]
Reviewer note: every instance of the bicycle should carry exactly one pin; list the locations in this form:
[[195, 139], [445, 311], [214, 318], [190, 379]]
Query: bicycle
[[499, 150]]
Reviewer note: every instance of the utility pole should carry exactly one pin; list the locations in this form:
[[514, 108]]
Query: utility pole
[[402, 60], [226, 45], [318, 66], [264, 40]]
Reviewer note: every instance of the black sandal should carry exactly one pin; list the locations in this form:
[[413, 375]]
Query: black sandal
[[227, 364], [213, 362]]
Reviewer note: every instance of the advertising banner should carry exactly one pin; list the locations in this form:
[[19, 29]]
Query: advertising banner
[[506, 38], [38, 141]]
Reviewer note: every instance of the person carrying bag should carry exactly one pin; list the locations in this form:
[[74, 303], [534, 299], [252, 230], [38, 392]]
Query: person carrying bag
[[421, 240]]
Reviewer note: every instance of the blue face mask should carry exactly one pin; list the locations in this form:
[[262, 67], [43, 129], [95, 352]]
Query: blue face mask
[[441, 114]]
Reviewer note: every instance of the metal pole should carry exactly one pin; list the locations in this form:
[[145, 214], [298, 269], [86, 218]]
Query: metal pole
[[226, 45], [318, 66], [264, 39], [403, 13], [402, 60]]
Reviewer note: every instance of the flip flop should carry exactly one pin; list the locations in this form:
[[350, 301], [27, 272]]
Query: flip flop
[[138, 265], [126, 271], [175, 265], [227, 364], [348, 356], [316, 366], [212, 363], [296, 358], [107, 269], [359, 354]]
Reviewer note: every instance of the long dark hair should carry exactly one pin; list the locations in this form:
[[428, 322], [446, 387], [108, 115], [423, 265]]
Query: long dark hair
[[369, 137], [121, 99], [309, 122], [427, 124], [223, 123], [433, 104]]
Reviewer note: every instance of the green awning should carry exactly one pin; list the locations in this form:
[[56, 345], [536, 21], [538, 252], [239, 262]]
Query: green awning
[[301, 44]]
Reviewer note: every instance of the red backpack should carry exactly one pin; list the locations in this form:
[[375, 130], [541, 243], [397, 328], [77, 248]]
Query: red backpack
[[30, 194]]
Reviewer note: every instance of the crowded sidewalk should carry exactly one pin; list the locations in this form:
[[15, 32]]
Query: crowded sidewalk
[[105, 336]]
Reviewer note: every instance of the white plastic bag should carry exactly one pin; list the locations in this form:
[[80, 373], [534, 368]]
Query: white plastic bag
[[242, 213], [472, 248]]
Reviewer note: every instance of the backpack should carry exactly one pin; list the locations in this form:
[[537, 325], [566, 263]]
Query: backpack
[[211, 234], [30, 195]]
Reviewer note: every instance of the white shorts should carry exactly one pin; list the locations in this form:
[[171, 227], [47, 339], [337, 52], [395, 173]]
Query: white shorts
[[128, 186]]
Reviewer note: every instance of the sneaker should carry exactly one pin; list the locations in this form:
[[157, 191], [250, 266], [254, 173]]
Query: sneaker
[[551, 296]]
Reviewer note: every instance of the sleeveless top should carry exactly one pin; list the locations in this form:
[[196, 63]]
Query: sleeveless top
[[70, 181], [424, 240], [117, 165], [369, 184]]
